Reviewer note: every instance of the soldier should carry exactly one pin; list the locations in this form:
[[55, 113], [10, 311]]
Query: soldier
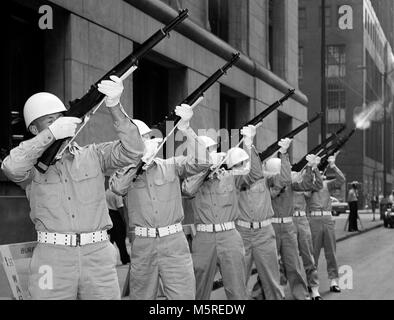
[[322, 224], [282, 203], [254, 225], [160, 250], [303, 230], [215, 207], [68, 206]]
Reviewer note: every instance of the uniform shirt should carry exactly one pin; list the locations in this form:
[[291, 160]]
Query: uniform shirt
[[114, 201], [154, 199], [321, 200], [282, 199], [352, 195], [216, 200], [299, 196], [255, 202], [70, 196]]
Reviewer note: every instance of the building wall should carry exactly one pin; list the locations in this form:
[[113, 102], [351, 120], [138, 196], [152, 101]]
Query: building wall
[[91, 36], [352, 160]]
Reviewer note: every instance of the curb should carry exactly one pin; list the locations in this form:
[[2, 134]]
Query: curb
[[353, 234]]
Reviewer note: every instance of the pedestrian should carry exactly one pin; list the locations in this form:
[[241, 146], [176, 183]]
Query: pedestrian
[[282, 203], [215, 208], [374, 203], [258, 234], [67, 202], [302, 227], [160, 250], [322, 224], [118, 232], [352, 200]]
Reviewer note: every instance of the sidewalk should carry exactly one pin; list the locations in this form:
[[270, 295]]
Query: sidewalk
[[367, 222]]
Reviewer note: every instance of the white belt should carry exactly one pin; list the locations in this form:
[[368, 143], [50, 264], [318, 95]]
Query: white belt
[[216, 227], [72, 240], [299, 214], [254, 224], [282, 220], [320, 213], [158, 232]]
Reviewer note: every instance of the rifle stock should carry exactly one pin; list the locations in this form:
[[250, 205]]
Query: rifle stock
[[80, 107]]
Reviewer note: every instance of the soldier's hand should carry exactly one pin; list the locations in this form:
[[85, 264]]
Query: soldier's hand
[[64, 127], [311, 159], [248, 132], [186, 113], [284, 145], [150, 150], [317, 161], [331, 161], [112, 89]]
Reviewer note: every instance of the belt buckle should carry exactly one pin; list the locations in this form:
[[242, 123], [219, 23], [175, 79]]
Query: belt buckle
[[157, 233], [77, 240]]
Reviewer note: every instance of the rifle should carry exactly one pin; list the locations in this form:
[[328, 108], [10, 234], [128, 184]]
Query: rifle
[[256, 121], [193, 99], [274, 147], [334, 149], [93, 98], [317, 150]]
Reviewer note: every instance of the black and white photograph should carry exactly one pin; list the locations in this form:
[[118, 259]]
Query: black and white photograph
[[197, 150]]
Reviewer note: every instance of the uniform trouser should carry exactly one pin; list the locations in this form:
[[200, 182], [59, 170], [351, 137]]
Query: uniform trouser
[[323, 235], [260, 248], [226, 250], [286, 242], [66, 273], [118, 235], [305, 247], [167, 258], [353, 215]]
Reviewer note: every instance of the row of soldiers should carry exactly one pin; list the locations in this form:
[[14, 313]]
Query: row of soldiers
[[247, 212]]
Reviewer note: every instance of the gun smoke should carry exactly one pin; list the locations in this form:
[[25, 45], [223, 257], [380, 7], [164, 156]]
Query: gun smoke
[[372, 112]]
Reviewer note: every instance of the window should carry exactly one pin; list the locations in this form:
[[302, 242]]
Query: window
[[24, 37], [336, 102], [300, 63], [335, 61], [234, 113], [327, 16], [302, 21], [284, 127], [218, 14]]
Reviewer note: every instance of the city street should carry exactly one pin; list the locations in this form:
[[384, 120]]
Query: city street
[[370, 256]]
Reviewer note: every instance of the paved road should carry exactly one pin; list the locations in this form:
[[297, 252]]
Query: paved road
[[371, 258]]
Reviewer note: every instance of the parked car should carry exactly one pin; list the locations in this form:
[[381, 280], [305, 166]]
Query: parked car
[[388, 218], [338, 207]]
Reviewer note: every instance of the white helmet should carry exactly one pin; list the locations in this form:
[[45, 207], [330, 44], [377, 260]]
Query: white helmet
[[273, 165], [235, 156], [208, 142], [41, 104], [142, 127]]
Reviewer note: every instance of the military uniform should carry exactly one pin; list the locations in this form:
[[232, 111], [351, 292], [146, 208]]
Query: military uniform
[[254, 225], [160, 249], [286, 238], [322, 224], [304, 236], [68, 208], [217, 242]]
